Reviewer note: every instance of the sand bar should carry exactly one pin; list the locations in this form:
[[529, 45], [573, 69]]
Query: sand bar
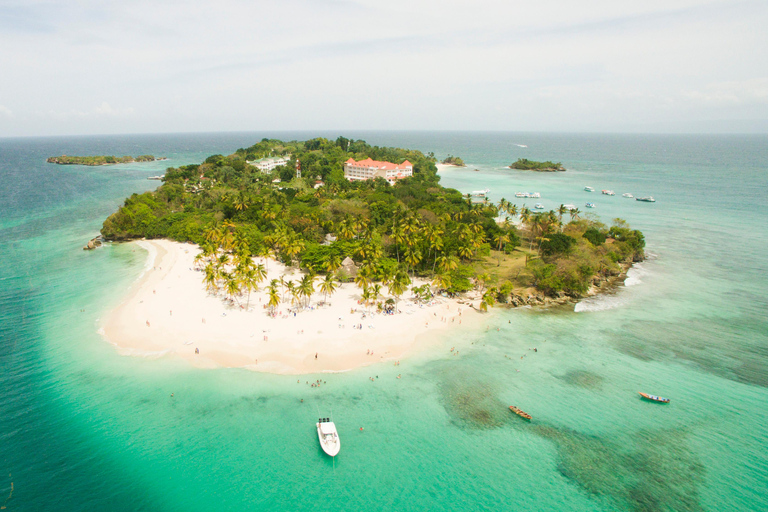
[[169, 313]]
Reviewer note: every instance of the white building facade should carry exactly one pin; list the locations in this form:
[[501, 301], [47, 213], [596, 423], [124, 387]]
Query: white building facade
[[269, 164], [370, 169]]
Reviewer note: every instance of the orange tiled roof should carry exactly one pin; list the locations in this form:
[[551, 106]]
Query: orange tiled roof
[[380, 165]]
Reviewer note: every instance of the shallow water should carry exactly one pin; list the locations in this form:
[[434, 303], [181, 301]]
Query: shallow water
[[85, 429]]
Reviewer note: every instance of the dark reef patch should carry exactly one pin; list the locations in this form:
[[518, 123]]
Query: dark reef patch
[[656, 472], [583, 379]]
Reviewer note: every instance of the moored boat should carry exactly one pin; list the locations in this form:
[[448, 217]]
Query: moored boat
[[627, 194], [329, 438], [647, 199], [538, 206], [654, 398], [590, 205], [608, 192], [570, 207], [480, 193], [589, 189], [520, 412]]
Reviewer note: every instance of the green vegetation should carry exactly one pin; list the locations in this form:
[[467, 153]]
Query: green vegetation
[[523, 164], [99, 160], [454, 160], [415, 228]]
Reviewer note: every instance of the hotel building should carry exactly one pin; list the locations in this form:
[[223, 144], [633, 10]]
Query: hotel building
[[369, 169]]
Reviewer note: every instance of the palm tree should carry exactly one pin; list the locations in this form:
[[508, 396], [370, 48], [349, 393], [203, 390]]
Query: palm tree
[[375, 292], [489, 299], [249, 279], [575, 214], [274, 295], [261, 272], [535, 225], [442, 281], [346, 229], [412, 256], [307, 286], [447, 263], [210, 278], [287, 284], [293, 245], [332, 263], [525, 215], [465, 251], [512, 209], [295, 296], [362, 279], [240, 202], [399, 285], [501, 238], [232, 286], [561, 210], [482, 279], [328, 286]]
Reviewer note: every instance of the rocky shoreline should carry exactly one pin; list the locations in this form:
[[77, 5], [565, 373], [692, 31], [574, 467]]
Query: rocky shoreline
[[600, 284]]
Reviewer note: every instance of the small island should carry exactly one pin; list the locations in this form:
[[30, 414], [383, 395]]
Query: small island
[[523, 164], [454, 160], [100, 160], [344, 251]]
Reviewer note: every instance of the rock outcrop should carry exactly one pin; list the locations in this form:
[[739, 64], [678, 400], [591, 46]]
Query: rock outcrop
[[94, 243]]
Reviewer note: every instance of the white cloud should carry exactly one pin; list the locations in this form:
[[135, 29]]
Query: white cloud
[[742, 92], [5, 112], [357, 64], [103, 110]]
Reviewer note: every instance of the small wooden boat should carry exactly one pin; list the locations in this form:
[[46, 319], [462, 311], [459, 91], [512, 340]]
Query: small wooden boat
[[654, 398], [520, 412]]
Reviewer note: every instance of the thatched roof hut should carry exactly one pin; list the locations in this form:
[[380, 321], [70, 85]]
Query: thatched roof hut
[[348, 267]]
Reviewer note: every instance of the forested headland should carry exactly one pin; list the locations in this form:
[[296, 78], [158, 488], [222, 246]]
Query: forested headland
[[415, 228], [100, 160]]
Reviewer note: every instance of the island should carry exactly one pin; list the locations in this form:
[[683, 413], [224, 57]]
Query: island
[[315, 266], [523, 164], [100, 160], [454, 160]]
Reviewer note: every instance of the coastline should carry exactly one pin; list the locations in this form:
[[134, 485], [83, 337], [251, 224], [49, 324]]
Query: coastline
[[167, 312]]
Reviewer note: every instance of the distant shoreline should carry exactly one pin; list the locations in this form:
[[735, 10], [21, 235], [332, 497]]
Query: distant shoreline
[[99, 160]]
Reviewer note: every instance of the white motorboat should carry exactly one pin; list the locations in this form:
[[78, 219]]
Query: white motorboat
[[538, 206], [570, 207], [589, 189], [480, 193], [329, 438], [609, 192], [648, 199], [590, 205], [527, 194], [627, 194]]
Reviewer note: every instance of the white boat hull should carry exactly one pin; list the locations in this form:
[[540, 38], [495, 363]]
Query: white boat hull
[[329, 438]]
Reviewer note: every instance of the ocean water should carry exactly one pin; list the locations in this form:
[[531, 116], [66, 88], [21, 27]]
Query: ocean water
[[83, 428]]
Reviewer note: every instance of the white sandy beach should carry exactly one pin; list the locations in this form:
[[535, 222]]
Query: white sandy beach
[[169, 313]]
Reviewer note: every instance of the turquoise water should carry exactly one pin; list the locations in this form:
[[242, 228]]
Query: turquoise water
[[86, 429]]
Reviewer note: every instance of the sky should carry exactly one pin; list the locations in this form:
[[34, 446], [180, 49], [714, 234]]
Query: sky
[[134, 66]]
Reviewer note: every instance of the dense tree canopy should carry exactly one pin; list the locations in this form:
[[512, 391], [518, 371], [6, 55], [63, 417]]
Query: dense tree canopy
[[392, 232]]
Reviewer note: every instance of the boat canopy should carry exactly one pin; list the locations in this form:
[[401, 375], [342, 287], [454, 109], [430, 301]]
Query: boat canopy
[[327, 427]]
